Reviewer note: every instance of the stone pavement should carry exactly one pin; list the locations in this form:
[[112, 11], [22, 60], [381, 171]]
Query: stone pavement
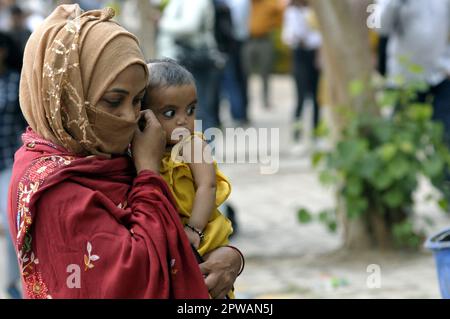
[[285, 259]]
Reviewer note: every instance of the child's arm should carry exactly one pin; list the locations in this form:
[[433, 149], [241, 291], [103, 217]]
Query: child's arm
[[204, 175]]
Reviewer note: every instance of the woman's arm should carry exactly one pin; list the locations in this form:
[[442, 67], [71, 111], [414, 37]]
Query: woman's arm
[[90, 248]]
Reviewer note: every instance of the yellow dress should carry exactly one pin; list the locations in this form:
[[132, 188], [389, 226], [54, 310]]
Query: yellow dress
[[178, 176]]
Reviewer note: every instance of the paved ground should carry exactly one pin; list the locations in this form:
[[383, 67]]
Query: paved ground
[[289, 260]]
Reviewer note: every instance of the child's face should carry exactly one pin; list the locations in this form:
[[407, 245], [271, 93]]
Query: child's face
[[174, 107]]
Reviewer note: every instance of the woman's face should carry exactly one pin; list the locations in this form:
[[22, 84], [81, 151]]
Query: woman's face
[[124, 96]]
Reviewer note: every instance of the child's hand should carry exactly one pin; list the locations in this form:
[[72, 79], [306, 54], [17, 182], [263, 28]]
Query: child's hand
[[193, 237]]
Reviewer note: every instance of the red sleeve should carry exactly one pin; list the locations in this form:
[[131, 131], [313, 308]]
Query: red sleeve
[[89, 248]]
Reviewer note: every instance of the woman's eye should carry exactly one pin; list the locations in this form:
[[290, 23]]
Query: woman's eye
[[113, 103], [169, 114], [190, 110]]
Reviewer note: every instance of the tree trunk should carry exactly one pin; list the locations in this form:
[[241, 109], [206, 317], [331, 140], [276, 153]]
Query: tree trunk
[[355, 232], [347, 54], [146, 34], [381, 230], [347, 58]]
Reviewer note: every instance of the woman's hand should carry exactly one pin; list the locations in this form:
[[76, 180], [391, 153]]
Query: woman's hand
[[221, 268], [149, 144]]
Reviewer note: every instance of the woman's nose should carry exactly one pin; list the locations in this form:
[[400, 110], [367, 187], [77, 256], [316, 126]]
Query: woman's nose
[[131, 115]]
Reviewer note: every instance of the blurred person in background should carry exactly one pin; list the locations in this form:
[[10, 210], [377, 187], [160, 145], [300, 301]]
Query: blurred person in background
[[382, 55], [305, 41], [419, 34], [234, 81], [265, 17], [223, 34], [5, 14], [90, 4], [12, 125], [186, 29], [141, 18], [36, 11], [229, 86], [19, 31]]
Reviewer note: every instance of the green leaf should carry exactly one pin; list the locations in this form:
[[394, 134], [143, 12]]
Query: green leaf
[[327, 178], [405, 236], [407, 147], [356, 88], [419, 112], [332, 226], [443, 204], [350, 151], [356, 206], [389, 98], [317, 158], [324, 216], [368, 167], [404, 60], [383, 180], [399, 167], [354, 186], [387, 152], [415, 68], [304, 216], [321, 130], [394, 198], [433, 166]]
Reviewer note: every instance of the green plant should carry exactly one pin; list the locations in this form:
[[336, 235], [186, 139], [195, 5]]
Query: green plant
[[378, 160]]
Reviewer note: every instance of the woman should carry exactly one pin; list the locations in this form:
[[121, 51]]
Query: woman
[[85, 225]]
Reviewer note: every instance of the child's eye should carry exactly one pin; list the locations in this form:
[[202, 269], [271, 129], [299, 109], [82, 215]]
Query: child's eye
[[191, 110], [169, 114]]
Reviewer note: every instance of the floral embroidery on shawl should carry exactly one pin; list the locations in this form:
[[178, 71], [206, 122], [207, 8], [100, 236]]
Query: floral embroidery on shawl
[[89, 258], [29, 185]]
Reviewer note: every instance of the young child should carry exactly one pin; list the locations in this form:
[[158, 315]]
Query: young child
[[196, 183]]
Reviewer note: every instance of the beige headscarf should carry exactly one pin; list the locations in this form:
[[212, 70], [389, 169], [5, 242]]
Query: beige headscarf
[[69, 62]]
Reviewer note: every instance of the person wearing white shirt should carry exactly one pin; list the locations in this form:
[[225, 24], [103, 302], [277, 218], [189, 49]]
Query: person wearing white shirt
[[192, 22], [305, 43], [419, 34]]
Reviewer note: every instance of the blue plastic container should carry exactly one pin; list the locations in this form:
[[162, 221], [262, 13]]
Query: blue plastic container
[[440, 245]]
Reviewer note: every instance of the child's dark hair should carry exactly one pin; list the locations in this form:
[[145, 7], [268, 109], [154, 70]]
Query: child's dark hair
[[164, 73]]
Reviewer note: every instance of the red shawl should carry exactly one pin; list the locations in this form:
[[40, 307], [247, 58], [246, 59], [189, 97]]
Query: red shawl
[[87, 227]]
